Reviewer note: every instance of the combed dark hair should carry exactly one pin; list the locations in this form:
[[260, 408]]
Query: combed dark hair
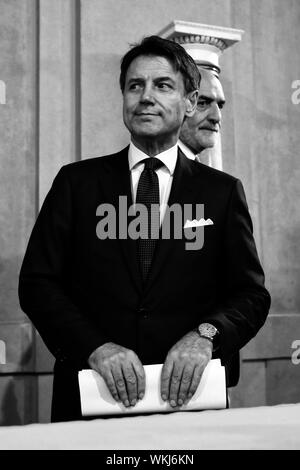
[[176, 54]]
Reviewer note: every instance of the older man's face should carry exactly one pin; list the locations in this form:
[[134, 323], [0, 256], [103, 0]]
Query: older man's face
[[201, 130], [154, 99]]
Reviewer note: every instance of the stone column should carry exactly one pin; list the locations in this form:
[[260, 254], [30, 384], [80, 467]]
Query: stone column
[[206, 44], [59, 89], [2, 92], [17, 204]]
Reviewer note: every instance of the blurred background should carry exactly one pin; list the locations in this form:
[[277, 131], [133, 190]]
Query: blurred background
[[60, 102]]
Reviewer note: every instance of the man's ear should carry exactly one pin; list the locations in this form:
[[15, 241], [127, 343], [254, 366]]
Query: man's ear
[[191, 103]]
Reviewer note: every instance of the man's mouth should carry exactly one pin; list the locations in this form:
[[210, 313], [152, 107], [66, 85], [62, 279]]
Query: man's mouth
[[146, 114], [211, 129]]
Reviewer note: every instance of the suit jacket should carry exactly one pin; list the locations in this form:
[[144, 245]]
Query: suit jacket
[[80, 291]]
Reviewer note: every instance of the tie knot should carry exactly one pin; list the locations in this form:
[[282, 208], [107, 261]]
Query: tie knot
[[152, 163]]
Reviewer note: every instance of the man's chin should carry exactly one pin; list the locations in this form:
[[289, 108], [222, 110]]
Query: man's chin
[[208, 142], [146, 131]]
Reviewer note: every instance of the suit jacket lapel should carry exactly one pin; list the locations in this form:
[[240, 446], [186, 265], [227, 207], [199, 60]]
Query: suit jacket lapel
[[117, 182]]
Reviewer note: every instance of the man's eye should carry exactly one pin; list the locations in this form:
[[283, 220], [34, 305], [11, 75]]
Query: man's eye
[[164, 86], [134, 86], [201, 104]]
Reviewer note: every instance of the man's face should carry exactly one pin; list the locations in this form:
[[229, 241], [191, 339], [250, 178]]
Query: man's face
[[154, 100], [201, 130]]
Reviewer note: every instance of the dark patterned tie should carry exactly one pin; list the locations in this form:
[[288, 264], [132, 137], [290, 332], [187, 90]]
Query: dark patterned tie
[[148, 194]]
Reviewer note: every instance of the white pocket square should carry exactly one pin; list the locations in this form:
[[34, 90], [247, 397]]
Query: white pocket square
[[198, 223]]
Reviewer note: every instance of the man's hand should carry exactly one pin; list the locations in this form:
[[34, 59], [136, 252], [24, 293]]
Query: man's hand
[[122, 371], [183, 368]]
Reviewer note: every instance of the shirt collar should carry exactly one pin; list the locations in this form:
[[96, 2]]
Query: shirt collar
[[186, 150], [168, 157]]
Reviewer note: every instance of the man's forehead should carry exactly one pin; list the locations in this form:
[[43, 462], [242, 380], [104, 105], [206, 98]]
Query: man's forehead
[[210, 86], [151, 64]]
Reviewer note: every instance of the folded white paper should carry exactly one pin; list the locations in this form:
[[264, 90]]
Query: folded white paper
[[97, 400]]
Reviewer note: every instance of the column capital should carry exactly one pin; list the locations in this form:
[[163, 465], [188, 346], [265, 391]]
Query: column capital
[[205, 43]]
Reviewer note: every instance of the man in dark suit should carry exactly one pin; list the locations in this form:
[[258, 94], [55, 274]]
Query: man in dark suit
[[114, 303]]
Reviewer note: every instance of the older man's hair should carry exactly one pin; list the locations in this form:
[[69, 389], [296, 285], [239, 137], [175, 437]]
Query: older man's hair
[[156, 46]]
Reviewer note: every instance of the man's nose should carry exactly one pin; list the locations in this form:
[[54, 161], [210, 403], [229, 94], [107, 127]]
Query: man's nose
[[215, 114], [147, 95]]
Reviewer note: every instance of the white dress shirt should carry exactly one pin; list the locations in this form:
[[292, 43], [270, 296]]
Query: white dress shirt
[[165, 173], [210, 157], [187, 152]]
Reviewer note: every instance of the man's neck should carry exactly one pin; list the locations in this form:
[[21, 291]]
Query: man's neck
[[194, 151], [188, 152], [153, 147]]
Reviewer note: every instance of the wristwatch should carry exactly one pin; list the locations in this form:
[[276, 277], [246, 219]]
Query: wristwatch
[[210, 332]]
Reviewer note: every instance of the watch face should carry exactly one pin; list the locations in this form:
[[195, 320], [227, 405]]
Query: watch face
[[206, 329]]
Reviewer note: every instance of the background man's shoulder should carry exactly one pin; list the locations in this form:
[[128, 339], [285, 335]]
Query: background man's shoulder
[[211, 175]]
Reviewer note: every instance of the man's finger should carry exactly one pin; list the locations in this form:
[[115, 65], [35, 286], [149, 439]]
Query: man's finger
[[130, 382], [185, 384], [165, 379], [110, 382], [140, 377], [120, 385], [175, 381], [195, 381]]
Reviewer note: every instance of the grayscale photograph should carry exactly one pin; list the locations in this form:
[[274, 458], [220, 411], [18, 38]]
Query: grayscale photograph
[[150, 227]]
